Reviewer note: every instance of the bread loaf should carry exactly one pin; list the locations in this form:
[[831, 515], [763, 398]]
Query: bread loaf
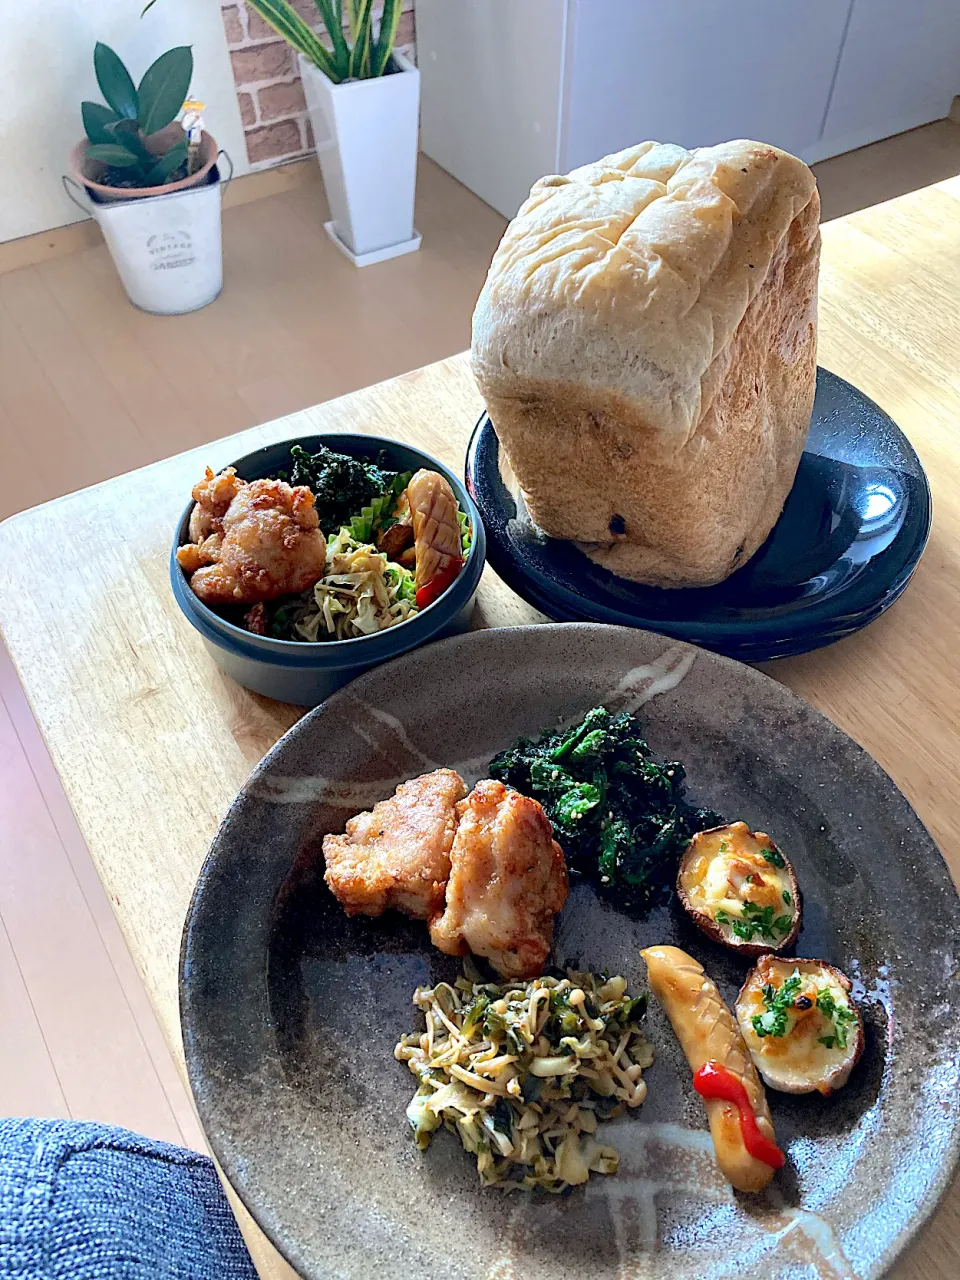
[[646, 345]]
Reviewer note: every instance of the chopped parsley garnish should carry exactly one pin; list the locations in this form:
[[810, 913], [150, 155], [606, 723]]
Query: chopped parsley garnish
[[779, 1003], [774, 857], [787, 898], [754, 919], [839, 1014]]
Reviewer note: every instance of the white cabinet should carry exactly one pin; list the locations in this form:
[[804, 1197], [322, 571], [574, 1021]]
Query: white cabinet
[[899, 68], [512, 90], [491, 82], [697, 72]]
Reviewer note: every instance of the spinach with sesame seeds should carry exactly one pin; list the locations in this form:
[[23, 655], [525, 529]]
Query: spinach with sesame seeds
[[341, 484], [619, 814]]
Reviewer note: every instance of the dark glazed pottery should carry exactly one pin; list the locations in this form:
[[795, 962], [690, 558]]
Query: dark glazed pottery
[[848, 540], [290, 1011]]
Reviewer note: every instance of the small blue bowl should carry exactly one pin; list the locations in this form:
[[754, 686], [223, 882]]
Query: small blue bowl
[[302, 672]]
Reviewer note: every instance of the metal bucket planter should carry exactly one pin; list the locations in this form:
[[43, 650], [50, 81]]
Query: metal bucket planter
[[167, 246]]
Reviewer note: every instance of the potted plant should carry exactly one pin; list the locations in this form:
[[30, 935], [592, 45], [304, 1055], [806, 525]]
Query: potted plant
[[153, 186], [364, 103]]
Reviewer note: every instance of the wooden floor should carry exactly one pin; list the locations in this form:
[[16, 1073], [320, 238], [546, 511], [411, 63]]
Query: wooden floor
[[89, 388]]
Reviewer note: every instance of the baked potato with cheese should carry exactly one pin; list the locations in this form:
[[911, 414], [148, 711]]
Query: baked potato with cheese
[[800, 1024], [740, 890]]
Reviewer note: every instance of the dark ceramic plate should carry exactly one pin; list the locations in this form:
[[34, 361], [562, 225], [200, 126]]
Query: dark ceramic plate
[[847, 542], [290, 1011]]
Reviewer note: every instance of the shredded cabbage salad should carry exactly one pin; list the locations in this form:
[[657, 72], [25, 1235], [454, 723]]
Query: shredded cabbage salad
[[361, 592]]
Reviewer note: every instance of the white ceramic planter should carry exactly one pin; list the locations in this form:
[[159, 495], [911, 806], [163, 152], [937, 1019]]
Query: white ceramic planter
[[366, 133]]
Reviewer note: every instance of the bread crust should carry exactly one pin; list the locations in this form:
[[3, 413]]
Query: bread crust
[[646, 345]]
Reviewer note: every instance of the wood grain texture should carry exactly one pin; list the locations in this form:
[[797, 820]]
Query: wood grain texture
[[152, 743], [91, 967], [73, 1028]]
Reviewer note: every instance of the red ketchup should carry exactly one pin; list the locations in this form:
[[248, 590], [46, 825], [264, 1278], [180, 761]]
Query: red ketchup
[[436, 586], [714, 1081]]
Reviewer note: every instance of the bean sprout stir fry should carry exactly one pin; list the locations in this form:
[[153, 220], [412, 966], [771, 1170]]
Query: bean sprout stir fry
[[524, 1072]]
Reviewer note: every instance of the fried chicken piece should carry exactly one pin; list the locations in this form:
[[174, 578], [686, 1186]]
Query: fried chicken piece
[[272, 546], [398, 854], [255, 620], [194, 555], [213, 495], [508, 878], [435, 526]]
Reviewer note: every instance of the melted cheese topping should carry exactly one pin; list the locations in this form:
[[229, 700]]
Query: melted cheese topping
[[799, 1057], [726, 869]]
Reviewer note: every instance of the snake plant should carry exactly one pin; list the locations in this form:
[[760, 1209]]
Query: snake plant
[[363, 56], [118, 131]]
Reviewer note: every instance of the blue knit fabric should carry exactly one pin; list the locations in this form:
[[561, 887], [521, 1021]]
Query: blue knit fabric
[[89, 1202]]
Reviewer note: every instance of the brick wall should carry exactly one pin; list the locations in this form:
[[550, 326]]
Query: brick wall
[[274, 113]]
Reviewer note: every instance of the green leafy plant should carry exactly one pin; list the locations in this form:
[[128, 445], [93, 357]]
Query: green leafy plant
[[364, 56], [118, 130]]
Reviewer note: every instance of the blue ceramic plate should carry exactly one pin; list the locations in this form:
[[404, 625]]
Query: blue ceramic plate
[[848, 540]]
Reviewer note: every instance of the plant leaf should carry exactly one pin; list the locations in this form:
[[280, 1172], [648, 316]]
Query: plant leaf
[[96, 117], [115, 82], [113, 154], [360, 57], [164, 87], [389, 21], [168, 163], [353, 17], [333, 21], [126, 133], [284, 19]]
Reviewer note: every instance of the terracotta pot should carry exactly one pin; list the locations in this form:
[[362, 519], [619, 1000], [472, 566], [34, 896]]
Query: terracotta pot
[[88, 171]]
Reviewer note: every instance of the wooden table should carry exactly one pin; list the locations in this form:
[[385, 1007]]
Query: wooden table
[[151, 742]]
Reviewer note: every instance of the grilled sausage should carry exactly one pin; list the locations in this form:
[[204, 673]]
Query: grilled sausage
[[707, 1032]]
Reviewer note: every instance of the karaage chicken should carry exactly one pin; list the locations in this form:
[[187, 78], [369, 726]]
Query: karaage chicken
[[213, 495], [508, 879], [398, 854], [268, 543]]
